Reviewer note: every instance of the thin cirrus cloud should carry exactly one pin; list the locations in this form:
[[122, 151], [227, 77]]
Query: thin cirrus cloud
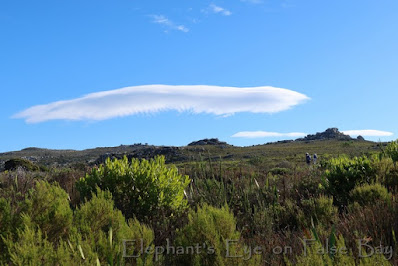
[[167, 23], [217, 100], [266, 134], [368, 133], [219, 10]]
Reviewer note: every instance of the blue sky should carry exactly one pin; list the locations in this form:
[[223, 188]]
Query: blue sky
[[268, 70]]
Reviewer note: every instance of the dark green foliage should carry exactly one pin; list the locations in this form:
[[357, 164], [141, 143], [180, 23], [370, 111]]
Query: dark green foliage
[[13, 164], [343, 174], [140, 188], [104, 228], [309, 187], [287, 215], [370, 193]]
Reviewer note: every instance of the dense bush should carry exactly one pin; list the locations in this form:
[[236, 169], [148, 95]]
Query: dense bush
[[370, 193], [42, 229], [32, 247], [13, 164], [392, 150], [343, 174], [48, 208], [321, 210], [140, 188], [309, 187], [212, 228], [104, 228]]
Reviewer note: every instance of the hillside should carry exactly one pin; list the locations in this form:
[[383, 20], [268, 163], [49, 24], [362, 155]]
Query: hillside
[[325, 144], [264, 194]]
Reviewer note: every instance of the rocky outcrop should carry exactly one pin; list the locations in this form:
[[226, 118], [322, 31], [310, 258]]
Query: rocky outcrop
[[330, 133], [360, 138], [213, 141], [171, 154]]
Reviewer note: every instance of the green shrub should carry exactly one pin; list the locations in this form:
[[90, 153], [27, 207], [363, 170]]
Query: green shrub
[[392, 150], [33, 248], [96, 236], [370, 193], [104, 228], [48, 207], [315, 253], [139, 188], [287, 215], [13, 164], [309, 187], [211, 228], [343, 174], [387, 172], [391, 179], [5, 226], [321, 210]]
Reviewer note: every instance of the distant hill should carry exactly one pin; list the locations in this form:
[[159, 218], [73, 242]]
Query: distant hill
[[328, 143], [213, 141]]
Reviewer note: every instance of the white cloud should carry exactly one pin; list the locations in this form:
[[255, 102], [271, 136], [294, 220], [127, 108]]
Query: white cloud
[[266, 134], [164, 21], [368, 133], [155, 98], [219, 10]]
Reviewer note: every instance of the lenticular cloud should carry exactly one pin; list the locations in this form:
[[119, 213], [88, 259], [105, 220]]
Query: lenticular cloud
[[156, 98]]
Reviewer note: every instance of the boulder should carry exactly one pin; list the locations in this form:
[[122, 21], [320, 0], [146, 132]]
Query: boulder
[[360, 138]]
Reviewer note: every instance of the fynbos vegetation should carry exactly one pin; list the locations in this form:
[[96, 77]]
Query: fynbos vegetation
[[340, 211]]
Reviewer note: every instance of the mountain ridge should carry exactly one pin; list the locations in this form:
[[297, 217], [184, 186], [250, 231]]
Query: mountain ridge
[[330, 141]]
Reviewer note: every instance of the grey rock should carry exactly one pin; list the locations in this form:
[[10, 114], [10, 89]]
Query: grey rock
[[330, 133]]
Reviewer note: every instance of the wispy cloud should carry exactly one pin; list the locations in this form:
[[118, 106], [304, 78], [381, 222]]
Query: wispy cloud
[[218, 10], [266, 134], [368, 133], [155, 98], [167, 23]]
